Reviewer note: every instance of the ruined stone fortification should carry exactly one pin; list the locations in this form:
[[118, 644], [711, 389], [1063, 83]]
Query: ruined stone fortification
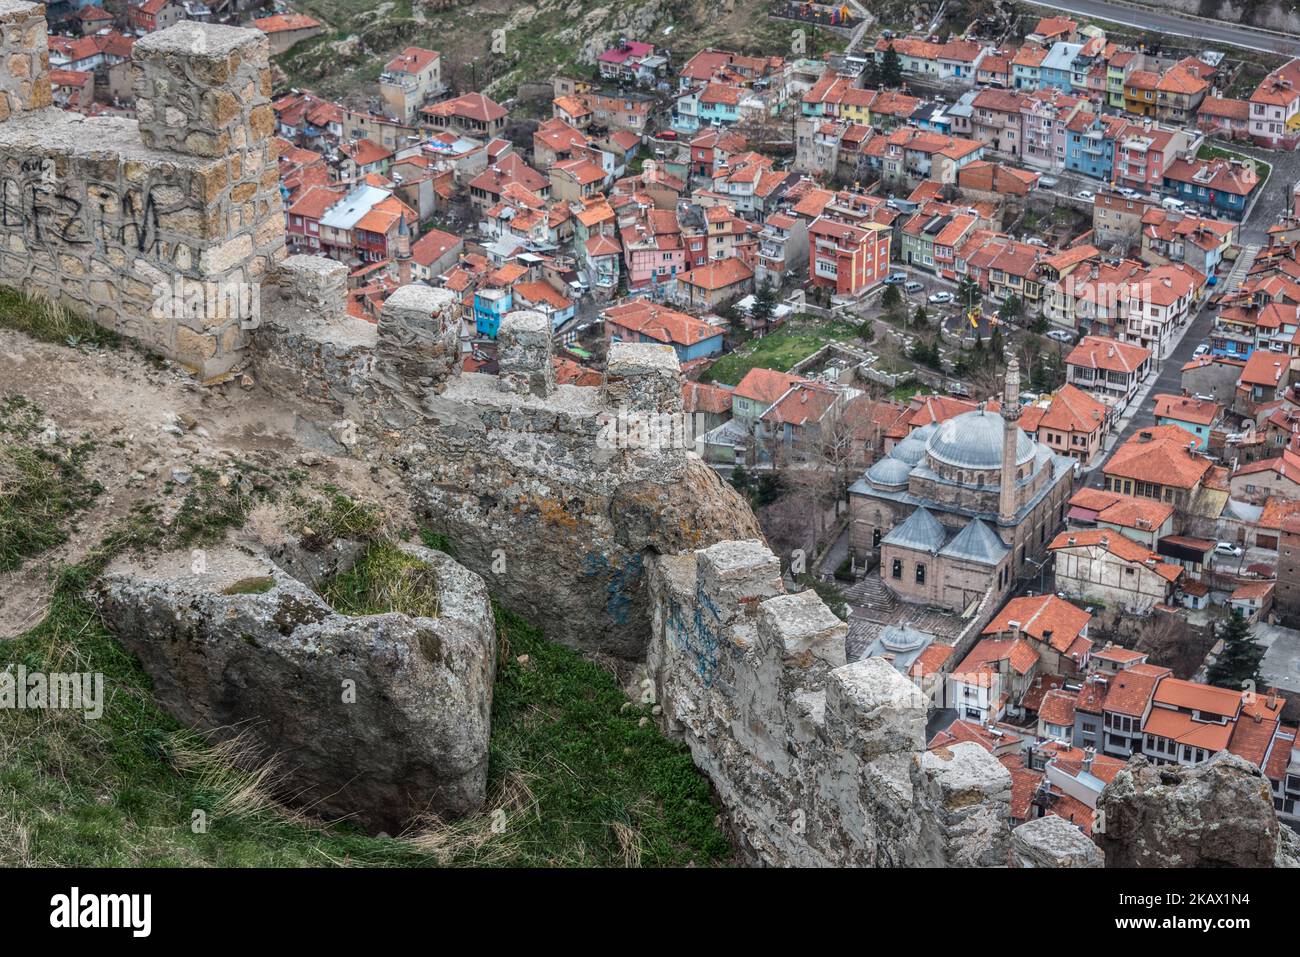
[[819, 762], [533, 481], [123, 220], [614, 541]]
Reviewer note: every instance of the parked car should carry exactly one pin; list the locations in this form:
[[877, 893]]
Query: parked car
[[896, 279], [939, 298], [913, 287], [667, 134], [1035, 241], [1201, 350], [1087, 195], [1048, 182], [1227, 548], [1172, 202], [1060, 335], [1127, 192]]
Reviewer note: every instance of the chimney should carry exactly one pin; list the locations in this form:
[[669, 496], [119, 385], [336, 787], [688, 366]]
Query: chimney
[[1088, 755]]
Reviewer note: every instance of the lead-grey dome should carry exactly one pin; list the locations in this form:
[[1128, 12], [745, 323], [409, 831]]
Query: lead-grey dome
[[911, 450], [973, 440], [889, 471]]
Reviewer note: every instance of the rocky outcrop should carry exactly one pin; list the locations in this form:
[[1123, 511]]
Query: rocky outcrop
[[378, 719], [1218, 814], [1052, 841]]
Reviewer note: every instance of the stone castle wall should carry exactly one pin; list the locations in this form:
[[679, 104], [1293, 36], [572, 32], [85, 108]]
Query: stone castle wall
[[160, 229], [550, 492], [819, 762]]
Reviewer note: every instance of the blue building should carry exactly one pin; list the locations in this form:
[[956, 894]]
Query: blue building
[[1217, 186], [1058, 66], [1090, 144], [490, 307]]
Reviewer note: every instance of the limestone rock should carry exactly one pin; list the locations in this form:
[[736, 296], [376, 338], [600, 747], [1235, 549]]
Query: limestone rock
[[1219, 814], [1053, 841], [969, 793], [379, 719]]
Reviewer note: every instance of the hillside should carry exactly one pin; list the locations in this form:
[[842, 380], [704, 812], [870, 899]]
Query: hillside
[[541, 38]]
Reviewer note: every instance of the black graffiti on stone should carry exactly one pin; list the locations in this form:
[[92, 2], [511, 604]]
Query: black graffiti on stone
[[45, 214]]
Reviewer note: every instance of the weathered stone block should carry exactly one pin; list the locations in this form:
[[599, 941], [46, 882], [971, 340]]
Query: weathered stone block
[[24, 58], [198, 88], [641, 377], [1053, 841], [419, 346], [524, 353], [379, 718], [317, 285]]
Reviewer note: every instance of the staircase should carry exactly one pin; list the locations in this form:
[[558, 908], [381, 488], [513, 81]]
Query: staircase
[[871, 598], [1237, 275]]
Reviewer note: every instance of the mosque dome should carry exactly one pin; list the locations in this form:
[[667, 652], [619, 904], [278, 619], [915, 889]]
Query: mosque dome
[[889, 471], [973, 440]]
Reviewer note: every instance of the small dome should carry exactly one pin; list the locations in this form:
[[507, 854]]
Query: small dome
[[911, 450], [889, 471], [973, 440]]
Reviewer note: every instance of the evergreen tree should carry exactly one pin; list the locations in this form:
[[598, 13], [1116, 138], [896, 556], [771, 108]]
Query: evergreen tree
[[764, 305], [891, 299], [769, 488], [740, 479], [891, 68], [969, 293], [1011, 309], [1238, 662], [920, 317]]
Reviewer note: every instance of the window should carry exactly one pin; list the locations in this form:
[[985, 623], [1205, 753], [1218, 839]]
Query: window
[[897, 570], [920, 573]]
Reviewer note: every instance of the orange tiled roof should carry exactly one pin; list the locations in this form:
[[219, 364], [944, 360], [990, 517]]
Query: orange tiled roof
[[1120, 546], [283, 22], [1162, 455], [766, 385], [1046, 618]]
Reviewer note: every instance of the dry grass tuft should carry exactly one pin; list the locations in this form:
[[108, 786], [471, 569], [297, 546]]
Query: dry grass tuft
[[484, 839]]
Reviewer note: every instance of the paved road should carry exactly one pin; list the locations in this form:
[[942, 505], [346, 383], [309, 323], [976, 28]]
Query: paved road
[[1209, 32]]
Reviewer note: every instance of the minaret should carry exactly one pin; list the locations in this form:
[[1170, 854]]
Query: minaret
[[402, 251], [1010, 428]]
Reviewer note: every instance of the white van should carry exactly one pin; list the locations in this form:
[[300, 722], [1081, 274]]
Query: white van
[[1172, 202]]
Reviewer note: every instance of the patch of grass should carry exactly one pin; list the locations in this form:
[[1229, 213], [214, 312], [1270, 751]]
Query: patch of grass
[[779, 350], [575, 777], [257, 585], [338, 516], [41, 486], [385, 579], [38, 494], [606, 789], [49, 322], [438, 541]]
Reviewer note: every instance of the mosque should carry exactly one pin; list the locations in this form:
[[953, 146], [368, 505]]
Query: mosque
[[961, 506]]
